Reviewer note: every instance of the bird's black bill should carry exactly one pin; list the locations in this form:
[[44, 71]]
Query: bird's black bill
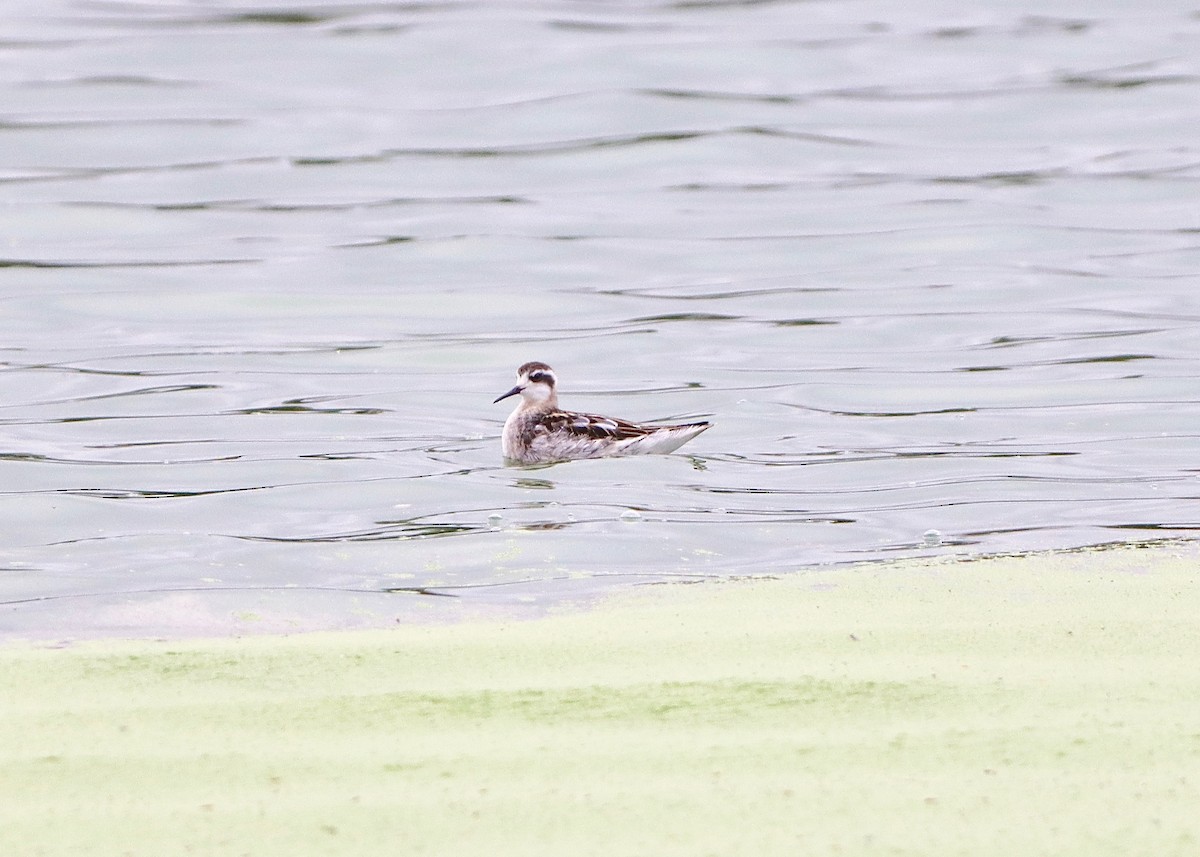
[[511, 392]]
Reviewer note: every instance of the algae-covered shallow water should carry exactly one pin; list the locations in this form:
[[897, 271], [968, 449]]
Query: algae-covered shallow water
[[930, 268], [1026, 705]]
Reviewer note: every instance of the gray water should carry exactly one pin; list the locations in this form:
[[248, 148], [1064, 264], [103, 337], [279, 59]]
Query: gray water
[[931, 268]]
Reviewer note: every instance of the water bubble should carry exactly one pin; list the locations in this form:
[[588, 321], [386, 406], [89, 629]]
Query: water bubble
[[931, 538], [631, 515], [494, 521]]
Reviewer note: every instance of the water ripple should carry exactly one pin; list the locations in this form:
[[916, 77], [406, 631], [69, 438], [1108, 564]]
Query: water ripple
[[924, 274]]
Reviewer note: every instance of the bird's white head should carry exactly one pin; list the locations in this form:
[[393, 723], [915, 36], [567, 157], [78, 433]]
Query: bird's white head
[[535, 383]]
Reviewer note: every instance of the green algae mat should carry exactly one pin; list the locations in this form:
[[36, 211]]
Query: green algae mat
[[1032, 705]]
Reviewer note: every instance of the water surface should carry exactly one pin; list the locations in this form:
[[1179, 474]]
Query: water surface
[[931, 271]]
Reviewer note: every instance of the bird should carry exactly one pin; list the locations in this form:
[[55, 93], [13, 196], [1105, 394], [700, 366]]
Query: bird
[[539, 432]]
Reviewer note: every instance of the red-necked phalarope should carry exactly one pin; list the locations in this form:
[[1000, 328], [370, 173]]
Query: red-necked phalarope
[[537, 432]]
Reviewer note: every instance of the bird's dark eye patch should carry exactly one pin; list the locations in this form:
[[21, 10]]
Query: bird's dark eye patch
[[542, 378]]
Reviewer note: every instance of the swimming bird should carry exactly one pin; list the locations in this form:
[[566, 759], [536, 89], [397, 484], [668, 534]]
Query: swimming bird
[[538, 431]]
